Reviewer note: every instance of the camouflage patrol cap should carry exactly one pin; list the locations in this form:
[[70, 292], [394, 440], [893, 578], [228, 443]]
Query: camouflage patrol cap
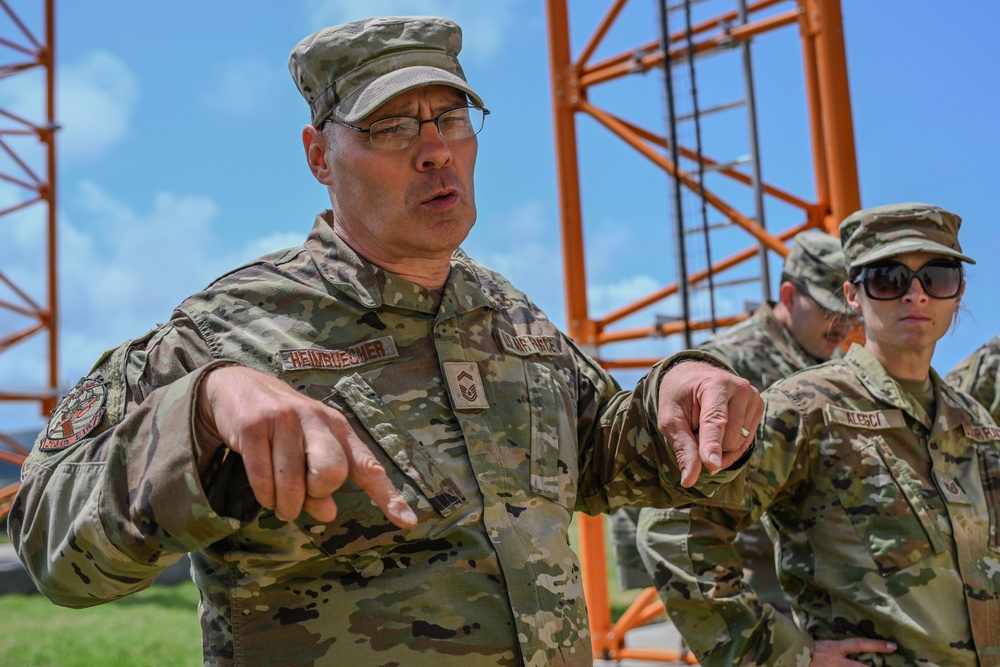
[[816, 262], [877, 233], [349, 70]]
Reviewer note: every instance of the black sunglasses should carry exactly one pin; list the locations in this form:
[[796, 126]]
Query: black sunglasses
[[885, 281]]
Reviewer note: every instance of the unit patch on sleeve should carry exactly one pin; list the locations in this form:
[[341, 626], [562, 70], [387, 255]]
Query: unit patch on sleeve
[[77, 414], [876, 419], [369, 352], [524, 346]]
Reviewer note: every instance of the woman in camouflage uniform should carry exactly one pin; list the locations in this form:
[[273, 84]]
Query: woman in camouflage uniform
[[882, 480]]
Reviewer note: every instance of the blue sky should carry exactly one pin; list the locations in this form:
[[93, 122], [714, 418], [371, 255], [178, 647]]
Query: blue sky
[[180, 155]]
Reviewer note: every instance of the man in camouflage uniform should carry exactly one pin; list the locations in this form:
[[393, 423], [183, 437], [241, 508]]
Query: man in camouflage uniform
[[803, 328], [977, 376], [884, 489], [437, 429]]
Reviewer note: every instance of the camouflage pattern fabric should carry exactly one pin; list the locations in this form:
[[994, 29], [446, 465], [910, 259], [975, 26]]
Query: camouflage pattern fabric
[[815, 262], [349, 70], [977, 376], [881, 232], [760, 349], [763, 351], [486, 578], [889, 522]]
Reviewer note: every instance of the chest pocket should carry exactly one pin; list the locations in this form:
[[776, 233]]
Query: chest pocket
[[360, 538], [553, 444], [412, 459], [882, 496], [989, 469]]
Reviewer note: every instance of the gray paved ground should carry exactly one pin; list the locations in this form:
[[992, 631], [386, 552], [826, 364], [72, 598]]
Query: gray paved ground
[[655, 635]]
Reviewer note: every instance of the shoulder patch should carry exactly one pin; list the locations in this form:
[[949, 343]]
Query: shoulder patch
[[877, 419], [981, 433], [524, 346], [77, 414]]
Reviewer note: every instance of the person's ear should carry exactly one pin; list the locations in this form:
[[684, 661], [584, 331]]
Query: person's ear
[[315, 144], [786, 294], [851, 294]]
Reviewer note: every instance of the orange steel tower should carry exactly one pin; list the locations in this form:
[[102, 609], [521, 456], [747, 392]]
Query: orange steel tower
[[28, 190], [714, 202]]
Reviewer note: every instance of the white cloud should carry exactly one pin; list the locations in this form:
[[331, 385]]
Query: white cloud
[[95, 100], [120, 272], [243, 87], [483, 23]]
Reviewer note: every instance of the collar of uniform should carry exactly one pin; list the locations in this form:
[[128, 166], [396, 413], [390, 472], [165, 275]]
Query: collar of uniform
[[372, 287], [949, 413], [952, 410], [881, 385], [469, 287], [341, 266]]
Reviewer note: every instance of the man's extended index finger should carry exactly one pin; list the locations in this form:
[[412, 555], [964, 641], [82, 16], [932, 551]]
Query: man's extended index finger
[[368, 473]]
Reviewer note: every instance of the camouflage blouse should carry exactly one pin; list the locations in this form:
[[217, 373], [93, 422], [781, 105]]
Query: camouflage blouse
[[977, 376], [760, 349], [889, 524], [493, 425]]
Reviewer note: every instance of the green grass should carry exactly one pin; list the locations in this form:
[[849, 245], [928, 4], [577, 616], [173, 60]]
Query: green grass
[[155, 627]]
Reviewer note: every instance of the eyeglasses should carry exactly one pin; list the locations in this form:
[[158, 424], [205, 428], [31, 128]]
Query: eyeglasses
[[941, 279], [398, 132]]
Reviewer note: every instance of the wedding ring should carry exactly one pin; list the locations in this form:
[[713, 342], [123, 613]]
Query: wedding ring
[[745, 433]]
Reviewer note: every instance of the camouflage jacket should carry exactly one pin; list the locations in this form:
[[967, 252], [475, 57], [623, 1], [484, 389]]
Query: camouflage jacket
[[493, 425], [977, 375], [889, 524], [760, 349], [763, 351]]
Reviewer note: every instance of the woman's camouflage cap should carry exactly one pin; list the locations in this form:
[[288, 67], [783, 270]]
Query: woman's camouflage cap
[[816, 263], [872, 234], [349, 70]]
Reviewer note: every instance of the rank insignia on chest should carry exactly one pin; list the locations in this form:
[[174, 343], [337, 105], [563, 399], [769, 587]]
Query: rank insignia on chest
[[465, 385], [952, 489]]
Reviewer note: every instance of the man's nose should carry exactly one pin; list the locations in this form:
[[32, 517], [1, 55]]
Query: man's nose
[[433, 151]]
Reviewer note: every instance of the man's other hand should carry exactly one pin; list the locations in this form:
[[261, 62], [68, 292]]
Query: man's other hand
[[833, 653], [709, 415]]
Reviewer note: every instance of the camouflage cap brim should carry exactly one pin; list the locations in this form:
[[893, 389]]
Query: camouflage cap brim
[[902, 246], [349, 70], [368, 98], [831, 301]]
